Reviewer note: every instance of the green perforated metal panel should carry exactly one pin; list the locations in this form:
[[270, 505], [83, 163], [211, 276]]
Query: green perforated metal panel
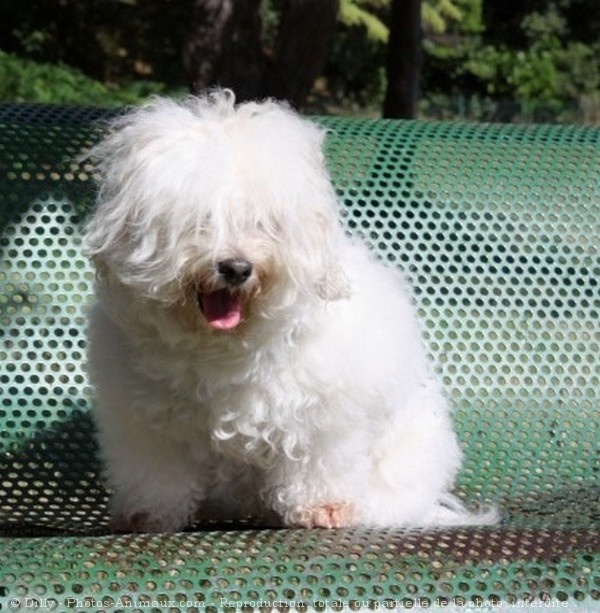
[[498, 227]]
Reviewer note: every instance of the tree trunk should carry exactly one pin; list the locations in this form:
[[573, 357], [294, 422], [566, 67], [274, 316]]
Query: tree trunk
[[224, 47], [404, 60], [303, 45]]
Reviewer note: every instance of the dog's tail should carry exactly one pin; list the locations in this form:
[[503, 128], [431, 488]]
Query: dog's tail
[[450, 511]]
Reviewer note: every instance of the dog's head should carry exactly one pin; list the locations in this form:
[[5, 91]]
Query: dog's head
[[224, 211]]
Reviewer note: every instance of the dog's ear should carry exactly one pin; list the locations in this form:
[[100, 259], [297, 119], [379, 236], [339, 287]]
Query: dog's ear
[[334, 284]]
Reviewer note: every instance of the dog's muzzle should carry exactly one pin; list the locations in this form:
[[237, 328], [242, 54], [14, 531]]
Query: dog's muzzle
[[222, 308]]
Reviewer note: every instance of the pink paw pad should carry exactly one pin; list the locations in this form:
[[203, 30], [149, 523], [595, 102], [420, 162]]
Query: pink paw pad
[[330, 515]]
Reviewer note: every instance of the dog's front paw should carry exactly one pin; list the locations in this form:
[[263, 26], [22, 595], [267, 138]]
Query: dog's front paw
[[325, 515]]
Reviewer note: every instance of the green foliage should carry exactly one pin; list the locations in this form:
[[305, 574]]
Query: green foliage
[[355, 13], [540, 65], [355, 73], [437, 15], [26, 80], [114, 42]]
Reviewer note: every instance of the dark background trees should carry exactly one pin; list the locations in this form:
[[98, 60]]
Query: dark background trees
[[404, 59], [536, 58], [225, 45]]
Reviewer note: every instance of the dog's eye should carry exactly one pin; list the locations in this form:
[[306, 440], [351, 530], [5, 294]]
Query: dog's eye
[[203, 224], [270, 228]]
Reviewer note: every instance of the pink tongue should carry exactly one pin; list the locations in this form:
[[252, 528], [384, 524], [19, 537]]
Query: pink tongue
[[221, 309]]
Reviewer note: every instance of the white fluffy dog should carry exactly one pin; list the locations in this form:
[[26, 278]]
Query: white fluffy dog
[[248, 358]]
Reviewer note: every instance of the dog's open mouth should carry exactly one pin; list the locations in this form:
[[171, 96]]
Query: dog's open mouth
[[221, 309]]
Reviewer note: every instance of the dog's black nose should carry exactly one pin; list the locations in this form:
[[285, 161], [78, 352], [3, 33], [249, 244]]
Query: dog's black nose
[[235, 271]]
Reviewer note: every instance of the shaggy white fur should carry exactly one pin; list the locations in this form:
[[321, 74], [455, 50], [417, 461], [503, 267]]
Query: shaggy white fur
[[248, 357]]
